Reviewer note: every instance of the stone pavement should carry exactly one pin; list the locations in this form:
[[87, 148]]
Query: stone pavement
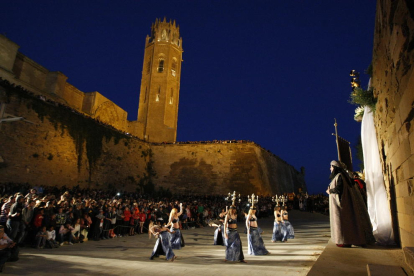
[[130, 255], [353, 261]]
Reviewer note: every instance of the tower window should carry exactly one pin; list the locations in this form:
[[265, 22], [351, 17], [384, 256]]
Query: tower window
[[172, 96], [157, 98], [145, 96], [161, 66], [173, 67]]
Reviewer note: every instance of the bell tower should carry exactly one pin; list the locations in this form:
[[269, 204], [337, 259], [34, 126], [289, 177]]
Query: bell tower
[[160, 83]]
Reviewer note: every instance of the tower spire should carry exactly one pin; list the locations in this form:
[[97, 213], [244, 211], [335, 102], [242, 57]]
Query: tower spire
[[160, 83]]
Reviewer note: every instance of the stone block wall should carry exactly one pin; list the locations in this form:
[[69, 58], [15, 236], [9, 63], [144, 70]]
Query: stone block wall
[[21, 70], [46, 152], [393, 83], [65, 148], [222, 168]]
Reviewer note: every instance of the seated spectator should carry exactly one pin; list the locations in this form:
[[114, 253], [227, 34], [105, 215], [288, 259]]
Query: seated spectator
[[41, 238], [84, 230], [66, 234], [8, 249], [76, 232], [51, 238]]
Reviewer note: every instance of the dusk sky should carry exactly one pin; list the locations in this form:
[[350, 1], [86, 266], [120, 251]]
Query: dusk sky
[[273, 72]]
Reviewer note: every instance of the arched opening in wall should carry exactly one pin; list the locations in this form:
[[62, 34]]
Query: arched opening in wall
[[171, 96], [107, 113], [174, 67], [161, 65], [157, 97], [164, 35]]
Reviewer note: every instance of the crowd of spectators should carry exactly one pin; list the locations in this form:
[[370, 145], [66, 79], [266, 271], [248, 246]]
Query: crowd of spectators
[[51, 216], [313, 203], [98, 214]]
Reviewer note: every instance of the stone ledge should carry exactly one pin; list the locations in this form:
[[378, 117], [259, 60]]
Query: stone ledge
[[409, 256], [384, 270]]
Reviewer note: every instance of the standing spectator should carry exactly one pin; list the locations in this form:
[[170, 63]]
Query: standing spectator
[[38, 221], [27, 216], [60, 218], [31, 195], [98, 225], [200, 209], [112, 216], [134, 219], [142, 218], [15, 217], [5, 209], [107, 223], [127, 218], [119, 220]]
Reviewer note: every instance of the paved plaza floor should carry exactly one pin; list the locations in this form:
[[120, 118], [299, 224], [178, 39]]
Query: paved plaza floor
[[130, 255]]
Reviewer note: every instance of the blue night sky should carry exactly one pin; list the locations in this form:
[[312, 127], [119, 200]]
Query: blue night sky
[[273, 72]]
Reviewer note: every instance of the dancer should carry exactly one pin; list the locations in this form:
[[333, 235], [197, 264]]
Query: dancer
[[234, 250], [163, 243], [177, 240], [288, 232], [254, 240], [219, 232], [278, 227]]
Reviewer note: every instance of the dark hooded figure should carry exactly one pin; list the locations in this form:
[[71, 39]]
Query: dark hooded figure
[[350, 223]]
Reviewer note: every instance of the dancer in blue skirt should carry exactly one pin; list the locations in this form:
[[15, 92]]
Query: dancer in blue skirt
[[278, 227], [163, 243], [288, 232], [234, 250], [254, 240], [177, 240]]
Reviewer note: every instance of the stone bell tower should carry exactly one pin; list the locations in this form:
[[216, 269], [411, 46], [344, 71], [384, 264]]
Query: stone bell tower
[[160, 83]]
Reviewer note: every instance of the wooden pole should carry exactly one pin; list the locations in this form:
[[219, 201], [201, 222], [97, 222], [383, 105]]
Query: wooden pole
[[337, 140]]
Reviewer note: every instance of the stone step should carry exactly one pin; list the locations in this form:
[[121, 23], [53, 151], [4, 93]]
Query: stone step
[[385, 270]]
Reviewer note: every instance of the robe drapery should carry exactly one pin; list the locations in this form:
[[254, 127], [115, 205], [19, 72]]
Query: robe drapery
[[350, 223]]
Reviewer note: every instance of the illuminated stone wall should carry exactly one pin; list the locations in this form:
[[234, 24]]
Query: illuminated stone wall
[[50, 152], [222, 168], [393, 82], [21, 70], [46, 152]]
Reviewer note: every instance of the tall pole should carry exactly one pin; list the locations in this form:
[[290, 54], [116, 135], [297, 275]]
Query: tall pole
[[2, 111], [337, 140]]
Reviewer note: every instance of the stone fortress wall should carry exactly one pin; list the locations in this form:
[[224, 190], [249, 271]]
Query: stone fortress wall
[[69, 148], [220, 168], [393, 83], [46, 153], [19, 69]]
